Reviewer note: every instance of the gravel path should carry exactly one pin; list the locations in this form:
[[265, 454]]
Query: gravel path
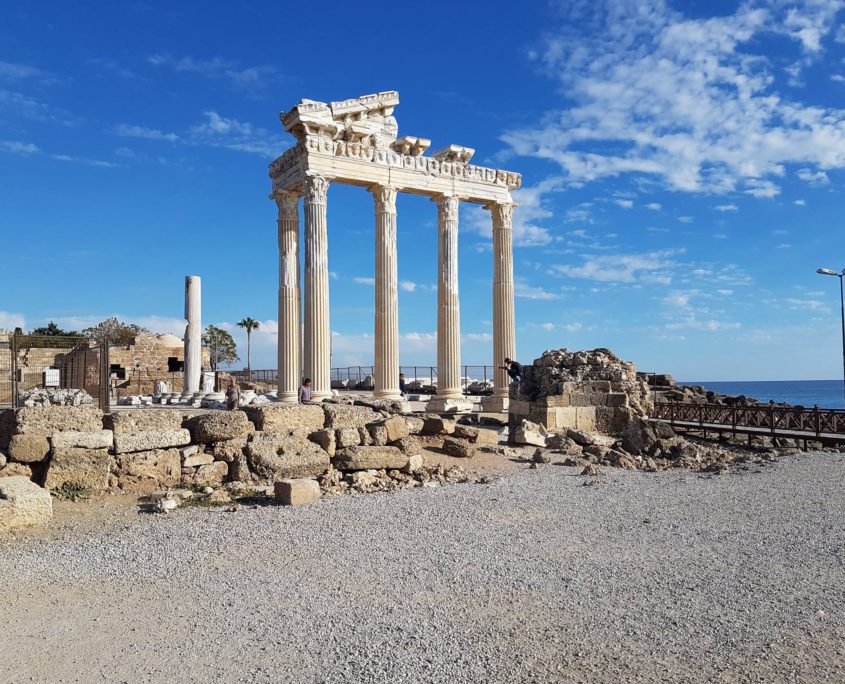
[[643, 577]]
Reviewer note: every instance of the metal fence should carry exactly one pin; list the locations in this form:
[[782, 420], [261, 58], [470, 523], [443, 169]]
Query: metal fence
[[475, 380], [53, 362]]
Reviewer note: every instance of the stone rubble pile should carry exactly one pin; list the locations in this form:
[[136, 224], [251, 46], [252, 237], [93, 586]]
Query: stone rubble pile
[[55, 397], [665, 389]]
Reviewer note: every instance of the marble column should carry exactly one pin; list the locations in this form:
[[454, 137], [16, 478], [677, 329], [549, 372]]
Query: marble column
[[504, 327], [317, 340], [386, 379], [193, 336], [449, 397], [289, 298]]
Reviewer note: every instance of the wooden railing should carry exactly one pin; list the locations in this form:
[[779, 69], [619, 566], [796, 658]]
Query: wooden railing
[[774, 419]]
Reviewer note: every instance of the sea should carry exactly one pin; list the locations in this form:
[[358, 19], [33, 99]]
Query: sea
[[808, 393]]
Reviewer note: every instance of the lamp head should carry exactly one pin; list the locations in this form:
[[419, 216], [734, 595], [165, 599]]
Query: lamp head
[[826, 271]]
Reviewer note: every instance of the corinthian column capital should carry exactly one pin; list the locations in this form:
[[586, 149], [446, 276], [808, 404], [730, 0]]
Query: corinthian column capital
[[288, 203], [385, 198], [502, 214], [316, 188], [448, 206]]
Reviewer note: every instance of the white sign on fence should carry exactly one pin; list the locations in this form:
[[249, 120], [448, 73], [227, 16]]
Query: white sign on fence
[[51, 377]]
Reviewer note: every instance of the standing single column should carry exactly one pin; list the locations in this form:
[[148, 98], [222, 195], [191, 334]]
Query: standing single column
[[387, 295], [504, 327], [289, 298], [193, 336], [449, 396], [317, 327]]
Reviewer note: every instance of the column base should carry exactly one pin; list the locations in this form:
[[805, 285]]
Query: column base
[[449, 405], [387, 394], [495, 404], [288, 397], [319, 396]]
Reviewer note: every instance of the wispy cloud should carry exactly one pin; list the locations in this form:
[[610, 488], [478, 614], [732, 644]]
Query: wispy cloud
[[525, 291], [130, 131], [627, 268], [364, 280], [654, 206], [248, 79], [726, 207], [14, 71], [19, 148]]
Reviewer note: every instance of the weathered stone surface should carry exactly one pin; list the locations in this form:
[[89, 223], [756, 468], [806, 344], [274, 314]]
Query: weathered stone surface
[[87, 467], [131, 422], [460, 448], [7, 427], [415, 424], [210, 474], [639, 437], [366, 438], [3, 459], [528, 433], [410, 446], [198, 459], [326, 439], [23, 503], [378, 432], [29, 448], [558, 440], [229, 450], [297, 492], [477, 435], [279, 455], [342, 416], [219, 426], [581, 437], [71, 439], [45, 420], [146, 471], [149, 440], [542, 456], [436, 425], [347, 437], [392, 406], [16, 469], [280, 417], [396, 428], [370, 458]]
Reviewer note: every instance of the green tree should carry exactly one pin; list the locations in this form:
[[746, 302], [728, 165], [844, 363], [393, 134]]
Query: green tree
[[222, 349], [114, 331], [249, 324], [53, 330]]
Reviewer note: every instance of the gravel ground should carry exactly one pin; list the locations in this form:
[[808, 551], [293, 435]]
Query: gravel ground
[[642, 577]]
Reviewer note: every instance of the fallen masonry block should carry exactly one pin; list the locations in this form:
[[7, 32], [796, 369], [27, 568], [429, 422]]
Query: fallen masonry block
[[72, 439], [130, 422], [528, 433], [209, 474], [279, 417], [347, 437], [198, 459], [45, 420], [16, 469], [87, 467], [219, 426], [396, 428], [460, 448], [370, 458], [435, 425], [326, 439], [23, 503], [343, 416], [150, 439], [146, 471], [28, 448], [299, 492], [281, 455]]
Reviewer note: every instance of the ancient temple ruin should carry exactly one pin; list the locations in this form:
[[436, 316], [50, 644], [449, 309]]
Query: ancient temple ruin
[[356, 142]]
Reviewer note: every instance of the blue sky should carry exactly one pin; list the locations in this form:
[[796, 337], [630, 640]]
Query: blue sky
[[682, 170]]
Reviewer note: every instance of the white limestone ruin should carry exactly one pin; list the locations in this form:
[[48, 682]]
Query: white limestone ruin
[[193, 336], [355, 142]]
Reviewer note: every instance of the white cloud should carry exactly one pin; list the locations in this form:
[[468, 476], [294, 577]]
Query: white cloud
[[806, 304], [10, 320], [130, 131], [216, 68], [690, 102], [726, 207], [525, 291], [686, 219], [800, 203], [11, 71], [813, 178], [784, 245], [547, 326], [22, 149], [720, 236], [654, 206], [627, 268], [407, 285], [694, 323], [624, 203], [364, 280], [220, 131], [839, 78]]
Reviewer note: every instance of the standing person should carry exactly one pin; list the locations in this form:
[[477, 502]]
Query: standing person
[[514, 370], [233, 394], [305, 392], [402, 384]]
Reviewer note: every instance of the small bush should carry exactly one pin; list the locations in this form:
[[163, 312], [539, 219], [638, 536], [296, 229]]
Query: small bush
[[71, 491]]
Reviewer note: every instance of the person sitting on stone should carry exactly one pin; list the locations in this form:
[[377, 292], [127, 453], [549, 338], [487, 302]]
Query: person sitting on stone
[[402, 384], [514, 369], [305, 391], [233, 394]]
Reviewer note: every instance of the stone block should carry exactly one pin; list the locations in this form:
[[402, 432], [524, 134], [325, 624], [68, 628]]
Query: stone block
[[460, 448], [229, 450], [7, 427], [378, 433], [198, 459], [415, 463], [131, 422], [346, 437], [391, 406], [149, 440], [415, 424], [364, 434], [370, 458], [285, 417], [239, 470], [528, 433], [82, 466], [219, 426], [23, 503], [585, 418], [210, 474], [16, 469], [396, 428], [410, 446], [326, 439], [616, 399], [146, 471], [28, 448], [547, 417], [344, 416], [71, 439], [566, 417], [554, 401], [296, 492], [437, 425], [45, 420], [279, 455]]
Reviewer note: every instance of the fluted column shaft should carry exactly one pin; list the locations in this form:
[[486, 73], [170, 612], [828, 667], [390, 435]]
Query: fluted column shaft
[[193, 335], [504, 325], [387, 296], [289, 296], [317, 328], [448, 302]]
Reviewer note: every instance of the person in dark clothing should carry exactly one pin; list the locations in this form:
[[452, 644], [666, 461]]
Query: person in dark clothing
[[402, 384], [514, 369]]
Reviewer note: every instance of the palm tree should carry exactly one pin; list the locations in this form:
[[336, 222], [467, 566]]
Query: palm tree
[[249, 324]]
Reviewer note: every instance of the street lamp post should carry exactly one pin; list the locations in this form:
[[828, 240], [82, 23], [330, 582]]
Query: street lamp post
[[840, 275]]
